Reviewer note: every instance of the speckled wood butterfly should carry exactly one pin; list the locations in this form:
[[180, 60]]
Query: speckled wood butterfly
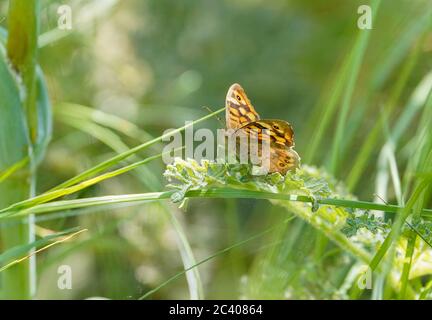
[[241, 115]]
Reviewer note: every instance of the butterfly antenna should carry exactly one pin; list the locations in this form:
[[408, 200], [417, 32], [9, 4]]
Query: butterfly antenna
[[379, 197], [217, 117]]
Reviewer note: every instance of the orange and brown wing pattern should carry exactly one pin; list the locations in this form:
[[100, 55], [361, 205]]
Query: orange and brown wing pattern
[[238, 108], [279, 132], [283, 159], [280, 135], [241, 116]]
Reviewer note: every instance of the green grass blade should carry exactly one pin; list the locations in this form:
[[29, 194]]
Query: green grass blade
[[90, 121], [48, 196], [124, 155], [407, 265], [325, 110], [220, 252], [219, 193], [129, 129], [112, 140], [4, 174], [358, 53], [394, 233], [22, 250], [372, 139]]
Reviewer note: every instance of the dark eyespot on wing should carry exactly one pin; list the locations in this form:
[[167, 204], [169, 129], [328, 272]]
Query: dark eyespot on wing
[[237, 103]]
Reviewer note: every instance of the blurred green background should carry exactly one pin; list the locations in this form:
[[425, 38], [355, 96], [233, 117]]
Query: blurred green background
[[155, 63]]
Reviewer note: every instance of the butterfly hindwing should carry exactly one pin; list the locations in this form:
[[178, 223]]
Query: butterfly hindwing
[[281, 140], [283, 159], [280, 132]]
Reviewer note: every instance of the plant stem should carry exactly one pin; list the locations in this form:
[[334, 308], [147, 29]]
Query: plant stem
[[22, 49], [217, 193], [19, 281]]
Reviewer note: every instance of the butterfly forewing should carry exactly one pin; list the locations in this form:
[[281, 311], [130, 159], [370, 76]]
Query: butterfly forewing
[[238, 108]]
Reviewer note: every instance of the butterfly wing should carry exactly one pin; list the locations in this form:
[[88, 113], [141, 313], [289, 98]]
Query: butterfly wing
[[283, 159], [280, 135], [238, 108], [279, 132], [241, 115]]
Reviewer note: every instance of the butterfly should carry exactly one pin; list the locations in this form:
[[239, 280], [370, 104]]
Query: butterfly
[[241, 115]]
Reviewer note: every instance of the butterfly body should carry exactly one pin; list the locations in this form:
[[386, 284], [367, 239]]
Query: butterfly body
[[241, 115]]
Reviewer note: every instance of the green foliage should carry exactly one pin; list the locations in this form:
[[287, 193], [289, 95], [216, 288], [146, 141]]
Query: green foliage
[[191, 175], [12, 149], [307, 181], [423, 227], [364, 220], [25, 130]]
